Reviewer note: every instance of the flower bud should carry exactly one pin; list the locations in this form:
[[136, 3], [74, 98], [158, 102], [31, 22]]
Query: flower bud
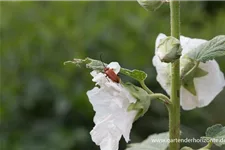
[[200, 82], [151, 5], [169, 49]]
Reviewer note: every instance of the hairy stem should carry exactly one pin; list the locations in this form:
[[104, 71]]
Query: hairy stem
[[145, 87], [174, 109], [160, 97]]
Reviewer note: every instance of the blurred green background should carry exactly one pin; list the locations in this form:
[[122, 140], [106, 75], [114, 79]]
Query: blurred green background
[[44, 104]]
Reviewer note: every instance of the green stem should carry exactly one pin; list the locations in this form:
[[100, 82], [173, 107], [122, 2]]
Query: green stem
[[145, 87], [160, 97], [174, 109]]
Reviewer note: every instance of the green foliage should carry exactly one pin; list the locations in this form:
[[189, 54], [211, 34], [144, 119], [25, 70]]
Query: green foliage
[[209, 50], [98, 65], [216, 134], [143, 100], [150, 144], [90, 63], [135, 74]]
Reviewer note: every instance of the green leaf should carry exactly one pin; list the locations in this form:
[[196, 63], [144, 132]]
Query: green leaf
[[135, 74], [216, 134], [186, 148], [209, 50], [153, 142], [90, 63], [99, 65], [143, 99]]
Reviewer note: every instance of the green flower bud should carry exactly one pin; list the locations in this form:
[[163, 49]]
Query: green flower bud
[[151, 5], [169, 49]]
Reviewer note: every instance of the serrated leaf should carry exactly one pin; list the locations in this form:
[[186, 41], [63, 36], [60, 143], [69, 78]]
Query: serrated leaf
[[209, 50], [99, 65], [153, 142], [143, 99], [216, 133]]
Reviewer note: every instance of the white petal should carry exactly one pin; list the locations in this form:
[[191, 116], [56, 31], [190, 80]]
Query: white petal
[[189, 44], [163, 69], [187, 100], [163, 73], [99, 78], [207, 87], [106, 134], [110, 103], [160, 37], [115, 66]]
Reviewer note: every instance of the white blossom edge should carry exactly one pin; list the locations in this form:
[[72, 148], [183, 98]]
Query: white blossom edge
[[110, 101], [207, 87]]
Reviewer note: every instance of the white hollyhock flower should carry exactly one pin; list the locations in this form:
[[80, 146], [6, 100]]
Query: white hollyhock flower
[[110, 101], [207, 87]]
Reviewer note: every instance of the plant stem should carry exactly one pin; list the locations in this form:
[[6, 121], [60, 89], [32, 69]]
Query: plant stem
[[161, 97], [145, 87], [174, 109]]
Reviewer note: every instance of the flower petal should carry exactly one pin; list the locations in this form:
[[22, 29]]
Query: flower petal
[[106, 134], [163, 73], [189, 44], [115, 66], [207, 87], [110, 102], [160, 37]]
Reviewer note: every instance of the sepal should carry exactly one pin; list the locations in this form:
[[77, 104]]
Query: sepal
[[143, 100]]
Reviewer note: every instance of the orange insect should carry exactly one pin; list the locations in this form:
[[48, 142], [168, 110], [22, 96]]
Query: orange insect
[[110, 73]]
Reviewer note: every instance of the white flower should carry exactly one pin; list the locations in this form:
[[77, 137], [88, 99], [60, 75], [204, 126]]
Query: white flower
[[115, 66], [207, 87], [110, 101]]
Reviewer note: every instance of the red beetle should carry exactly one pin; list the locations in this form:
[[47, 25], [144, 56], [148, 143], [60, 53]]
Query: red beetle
[[111, 74]]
